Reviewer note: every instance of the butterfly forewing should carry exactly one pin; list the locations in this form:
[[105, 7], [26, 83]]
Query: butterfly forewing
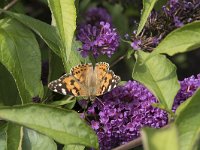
[[67, 84], [101, 69], [80, 72], [109, 81]]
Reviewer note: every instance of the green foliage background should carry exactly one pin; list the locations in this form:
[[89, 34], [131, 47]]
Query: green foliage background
[[26, 41]]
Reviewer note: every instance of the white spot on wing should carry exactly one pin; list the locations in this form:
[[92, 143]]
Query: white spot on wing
[[59, 84], [109, 88], [64, 92]]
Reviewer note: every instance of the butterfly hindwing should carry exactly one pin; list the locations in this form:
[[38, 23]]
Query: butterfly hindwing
[[109, 81]]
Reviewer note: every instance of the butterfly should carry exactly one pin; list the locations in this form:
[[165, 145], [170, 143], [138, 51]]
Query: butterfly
[[86, 81]]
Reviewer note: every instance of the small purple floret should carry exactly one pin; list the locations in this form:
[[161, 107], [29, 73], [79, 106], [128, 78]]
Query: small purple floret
[[136, 44]]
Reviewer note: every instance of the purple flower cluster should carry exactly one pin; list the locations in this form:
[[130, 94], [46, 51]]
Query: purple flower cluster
[[98, 40], [188, 87], [97, 34], [182, 11], [122, 112], [173, 15]]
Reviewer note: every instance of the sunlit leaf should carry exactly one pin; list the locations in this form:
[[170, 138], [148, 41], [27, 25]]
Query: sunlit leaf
[[64, 13], [47, 32], [74, 147], [188, 122], [147, 8], [181, 40], [160, 139], [20, 54], [64, 126], [14, 136]]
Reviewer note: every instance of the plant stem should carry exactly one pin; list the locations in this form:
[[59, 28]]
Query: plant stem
[[130, 144], [12, 3], [118, 60]]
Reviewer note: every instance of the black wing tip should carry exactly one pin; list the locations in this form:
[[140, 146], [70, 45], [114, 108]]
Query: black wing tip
[[116, 77], [51, 84], [58, 86]]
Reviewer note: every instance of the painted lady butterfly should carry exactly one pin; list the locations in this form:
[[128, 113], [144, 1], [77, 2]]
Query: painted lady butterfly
[[86, 80]]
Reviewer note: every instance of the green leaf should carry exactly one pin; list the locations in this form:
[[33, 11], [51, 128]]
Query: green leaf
[[20, 54], [188, 122], [33, 140], [75, 57], [158, 74], [181, 40], [47, 32], [55, 67], [64, 126], [14, 136], [63, 102], [56, 70], [160, 139], [3, 145], [5, 97], [44, 1], [3, 142], [147, 8], [64, 13], [197, 145], [70, 105], [50, 35], [74, 147]]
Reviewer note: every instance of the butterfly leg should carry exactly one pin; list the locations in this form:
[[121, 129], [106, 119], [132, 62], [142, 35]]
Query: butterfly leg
[[99, 100]]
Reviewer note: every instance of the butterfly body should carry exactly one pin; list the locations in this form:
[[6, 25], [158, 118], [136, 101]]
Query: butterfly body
[[86, 80], [92, 83]]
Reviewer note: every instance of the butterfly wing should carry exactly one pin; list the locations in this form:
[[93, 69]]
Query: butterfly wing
[[107, 79], [65, 85], [73, 83], [81, 71], [101, 69]]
